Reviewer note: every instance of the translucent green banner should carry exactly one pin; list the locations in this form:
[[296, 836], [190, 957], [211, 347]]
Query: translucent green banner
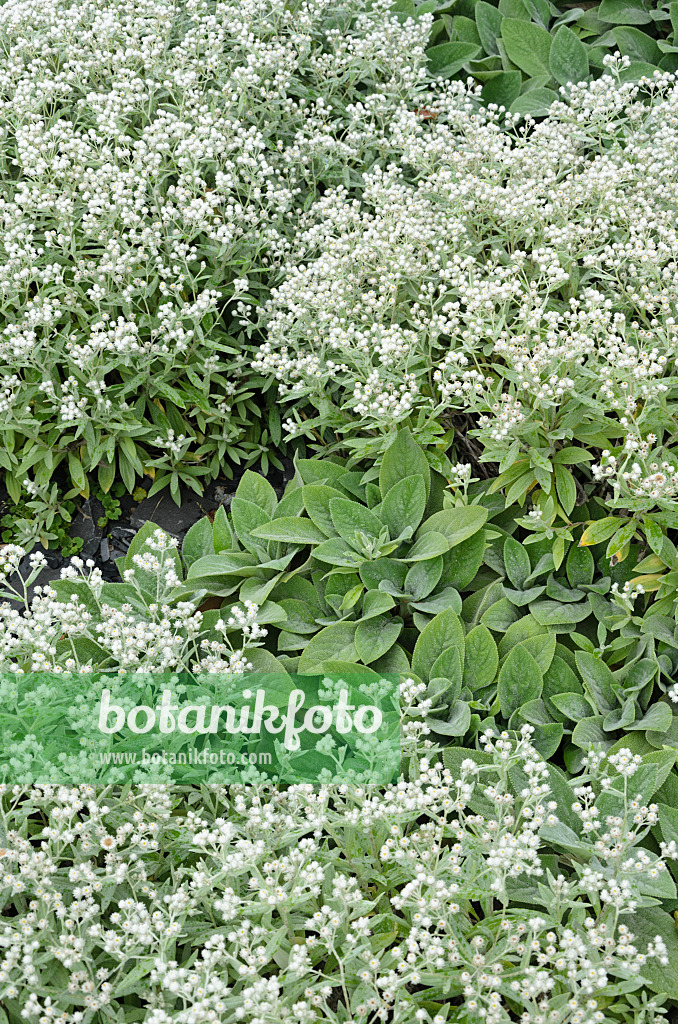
[[102, 728]]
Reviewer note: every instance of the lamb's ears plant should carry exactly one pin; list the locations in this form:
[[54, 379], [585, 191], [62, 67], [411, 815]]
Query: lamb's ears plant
[[525, 51]]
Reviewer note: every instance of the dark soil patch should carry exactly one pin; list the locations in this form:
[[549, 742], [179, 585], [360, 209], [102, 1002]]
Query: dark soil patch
[[105, 545]]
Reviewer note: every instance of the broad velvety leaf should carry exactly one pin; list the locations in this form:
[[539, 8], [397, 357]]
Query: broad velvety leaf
[[448, 58], [444, 631], [519, 681], [568, 63], [255, 488], [403, 458], [317, 503], [481, 658], [517, 562], [455, 524], [333, 642], [290, 530], [403, 505], [423, 577], [349, 518], [528, 46], [374, 637]]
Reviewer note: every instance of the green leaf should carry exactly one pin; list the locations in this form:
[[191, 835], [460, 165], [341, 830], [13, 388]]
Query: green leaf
[[106, 475], [535, 103], [637, 45], [481, 658], [350, 518], [646, 924], [423, 578], [440, 602], [600, 530], [83, 649], [569, 64], [226, 563], [403, 506], [427, 547], [488, 23], [255, 488], [566, 488], [598, 680], [539, 11], [522, 629], [588, 732], [376, 602], [374, 637], [333, 642], [448, 58], [668, 822], [317, 499], [476, 604], [514, 9], [503, 89], [300, 618], [658, 718], [455, 524], [448, 666], [394, 662], [462, 562], [403, 458], [519, 681], [465, 29], [500, 616], [624, 12], [77, 472], [579, 566], [527, 45], [553, 613], [65, 589], [457, 723], [246, 517], [620, 539], [372, 573], [574, 705], [291, 503], [560, 677], [197, 542], [542, 648], [547, 738], [444, 631], [636, 70], [222, 535], [291, 530], [517, 562], [337, 552]]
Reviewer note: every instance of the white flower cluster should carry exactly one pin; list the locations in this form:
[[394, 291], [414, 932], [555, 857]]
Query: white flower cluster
[[157, 158], [303, 869], [149, 632], [651, 474], [477, 265]]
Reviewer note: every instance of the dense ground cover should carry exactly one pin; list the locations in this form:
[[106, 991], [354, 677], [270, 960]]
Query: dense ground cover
[[398, 244]]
